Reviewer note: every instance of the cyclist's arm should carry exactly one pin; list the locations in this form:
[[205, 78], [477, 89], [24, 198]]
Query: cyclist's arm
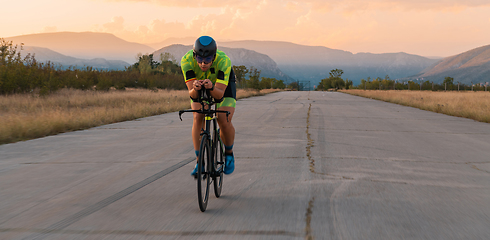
[[192, 92], [223, 76], [218, 91], [187, 67]]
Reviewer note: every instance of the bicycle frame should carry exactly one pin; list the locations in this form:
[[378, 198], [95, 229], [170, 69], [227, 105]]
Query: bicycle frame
[[207, 102], [213, 142]]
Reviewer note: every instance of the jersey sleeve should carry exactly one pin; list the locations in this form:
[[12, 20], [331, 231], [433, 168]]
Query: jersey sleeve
[[187, 68], [224, 69]]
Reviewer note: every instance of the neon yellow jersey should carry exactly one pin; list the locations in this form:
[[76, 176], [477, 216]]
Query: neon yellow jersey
[[219, 72]]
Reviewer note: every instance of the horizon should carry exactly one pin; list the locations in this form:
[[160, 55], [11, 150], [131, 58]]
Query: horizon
[[432, 28], [218, 41]]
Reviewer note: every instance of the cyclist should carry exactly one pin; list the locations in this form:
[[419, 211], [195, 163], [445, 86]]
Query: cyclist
[[207, 67]]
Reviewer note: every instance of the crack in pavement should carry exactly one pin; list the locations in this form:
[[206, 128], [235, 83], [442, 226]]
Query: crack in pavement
[[311, 144], [401, 160], [309, 212], [152, 233], [475, 167], [390, 131]]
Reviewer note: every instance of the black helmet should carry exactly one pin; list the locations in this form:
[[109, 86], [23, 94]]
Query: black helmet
[[205, 46]]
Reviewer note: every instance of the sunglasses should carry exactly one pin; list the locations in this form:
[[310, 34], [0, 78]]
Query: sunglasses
[[205, 60]]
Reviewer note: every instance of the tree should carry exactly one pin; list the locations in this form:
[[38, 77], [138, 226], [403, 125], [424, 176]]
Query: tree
[[448, 80], [240, 73], [336, 73], [266, 83], [254, 78], [363, 84], [278, 84], [448, 83], [145, 64], [334, 81], [167, 57], [339, 83], [294, 86], [348, 84]]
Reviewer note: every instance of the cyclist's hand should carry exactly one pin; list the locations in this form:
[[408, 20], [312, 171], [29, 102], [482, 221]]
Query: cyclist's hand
[[207, 84], [197, 85]]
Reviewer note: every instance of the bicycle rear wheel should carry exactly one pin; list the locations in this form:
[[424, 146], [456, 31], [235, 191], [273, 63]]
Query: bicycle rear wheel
[[219, 160], [203, 178]]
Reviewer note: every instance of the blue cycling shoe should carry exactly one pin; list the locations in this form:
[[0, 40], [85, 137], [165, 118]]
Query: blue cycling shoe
[[194, 172], [230, 164]]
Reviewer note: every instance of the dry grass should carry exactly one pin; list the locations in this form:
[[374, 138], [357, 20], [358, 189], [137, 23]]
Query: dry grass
[[473, 105], [28, 116]]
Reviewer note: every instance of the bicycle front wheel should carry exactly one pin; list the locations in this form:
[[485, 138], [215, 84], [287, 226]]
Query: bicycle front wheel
[[203, 177], [219, 161]]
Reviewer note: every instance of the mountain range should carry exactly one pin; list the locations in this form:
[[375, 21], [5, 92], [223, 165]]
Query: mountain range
[[85, 45], [469, 67], [313, 63], [238, 56], [45, 54], [282, 60], [310, 63]]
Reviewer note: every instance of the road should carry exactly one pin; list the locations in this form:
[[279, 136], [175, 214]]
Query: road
[[309, 165]]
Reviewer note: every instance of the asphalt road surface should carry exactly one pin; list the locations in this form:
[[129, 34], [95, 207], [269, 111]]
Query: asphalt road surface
[[309, 165]]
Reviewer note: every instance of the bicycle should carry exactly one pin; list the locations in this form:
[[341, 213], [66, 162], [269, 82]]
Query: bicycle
[[211, 159]]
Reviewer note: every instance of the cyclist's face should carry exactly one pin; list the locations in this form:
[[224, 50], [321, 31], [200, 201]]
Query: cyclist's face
[[204, 66], [204, 63]]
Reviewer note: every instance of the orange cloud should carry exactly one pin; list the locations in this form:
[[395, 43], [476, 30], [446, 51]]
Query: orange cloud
[[327, 5], [116, 24], [352, 25], [363, 5], [293, 6], [198, 3], [49, 29]]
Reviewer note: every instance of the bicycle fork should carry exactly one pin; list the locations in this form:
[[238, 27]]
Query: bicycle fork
[[205, 133]]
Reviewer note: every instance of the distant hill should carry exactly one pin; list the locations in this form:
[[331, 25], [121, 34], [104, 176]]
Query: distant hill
[[172, 41], [471, 66], [281, 60], [44, 54], [181, 40], [85, 45], [238, 56], [286, 53], [313, 63]]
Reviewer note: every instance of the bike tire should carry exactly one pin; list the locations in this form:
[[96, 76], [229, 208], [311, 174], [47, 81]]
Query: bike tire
[[203, 178], [218, 163]]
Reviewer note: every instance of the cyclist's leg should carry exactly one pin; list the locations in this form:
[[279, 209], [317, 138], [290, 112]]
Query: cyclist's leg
[[227, 133], [197, 125], [228, 104], [226, 125]]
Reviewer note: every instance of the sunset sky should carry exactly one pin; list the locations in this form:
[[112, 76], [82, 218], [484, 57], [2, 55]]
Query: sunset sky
[[423, 27]]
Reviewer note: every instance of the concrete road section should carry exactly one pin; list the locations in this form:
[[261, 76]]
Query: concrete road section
[[309, 165]]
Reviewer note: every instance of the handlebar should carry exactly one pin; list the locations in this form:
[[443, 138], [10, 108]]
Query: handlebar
[[205, 99]]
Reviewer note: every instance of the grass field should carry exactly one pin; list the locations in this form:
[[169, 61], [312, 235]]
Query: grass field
[[467, 104], [28, 116]]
